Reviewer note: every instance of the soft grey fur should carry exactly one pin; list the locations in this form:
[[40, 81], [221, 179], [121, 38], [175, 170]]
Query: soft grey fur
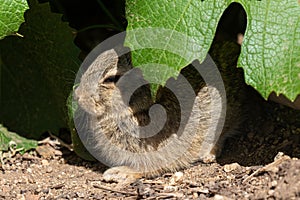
[[114, 121]]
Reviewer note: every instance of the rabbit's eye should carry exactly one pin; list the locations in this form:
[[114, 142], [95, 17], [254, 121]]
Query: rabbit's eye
[[112, 79]]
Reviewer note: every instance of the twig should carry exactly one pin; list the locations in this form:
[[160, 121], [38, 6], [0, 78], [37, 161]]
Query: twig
[[266, 168], [62, 143], [113, 190], [166, 196], [57, 142], [29, 157], [157, 182]]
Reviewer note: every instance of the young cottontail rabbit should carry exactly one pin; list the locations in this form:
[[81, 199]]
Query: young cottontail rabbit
[[122, 127]]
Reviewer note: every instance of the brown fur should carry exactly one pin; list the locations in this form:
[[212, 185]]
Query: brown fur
[[112, 123]]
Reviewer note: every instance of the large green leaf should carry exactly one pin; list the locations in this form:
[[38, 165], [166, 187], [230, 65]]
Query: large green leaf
[[161, 31], [37, 73], [174, 33], [271, 48], [12, 140], [11, 16]]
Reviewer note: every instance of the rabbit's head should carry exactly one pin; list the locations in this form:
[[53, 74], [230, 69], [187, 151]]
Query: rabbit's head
[[99, 83], [111, 84]]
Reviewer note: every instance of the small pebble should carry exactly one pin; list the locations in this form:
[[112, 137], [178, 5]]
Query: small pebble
[[219, 197], [231, 167], [31, 180], [176, 178], [80, 194], [20, 197], [271, 192], [45, 162], [45, 190], [169, 188], [49, 169], [29, 170], [203, 191], [279, 155], [195, 195], [274, 183], [58, 153]]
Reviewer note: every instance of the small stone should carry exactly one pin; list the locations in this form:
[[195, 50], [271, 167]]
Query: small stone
[[218, 197], [176, 178], [170, 188], [23, 191], [31, 180], [195, 195], [30, 196], [248, 170], [274, 183], [80, 194], [45, 151], [29, 170], [45, 190], [49, 169], [229, 177], [203, 191], [45, 162], [246, 195], [279, 155], [38, 189], [210, 158], [231, 167], [20, 197], [271, 192], [57, 152]]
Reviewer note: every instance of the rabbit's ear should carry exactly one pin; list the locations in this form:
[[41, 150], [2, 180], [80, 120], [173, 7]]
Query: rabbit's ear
[[104, 63]]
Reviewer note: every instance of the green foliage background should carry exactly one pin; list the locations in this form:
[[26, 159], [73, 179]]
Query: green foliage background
[[11, 16], [37, 73]]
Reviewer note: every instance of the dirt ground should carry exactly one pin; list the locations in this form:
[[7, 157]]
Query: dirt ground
[[261, 162]]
